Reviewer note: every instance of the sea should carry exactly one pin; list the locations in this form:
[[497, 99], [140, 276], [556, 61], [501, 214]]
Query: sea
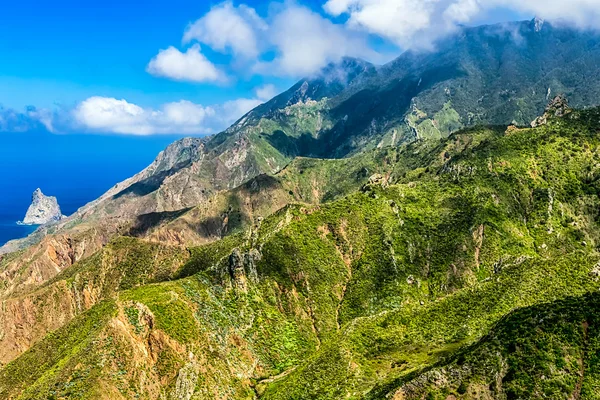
[[76, 168]]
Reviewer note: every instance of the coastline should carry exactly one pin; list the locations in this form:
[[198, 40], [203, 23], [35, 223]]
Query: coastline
[[10, 230]]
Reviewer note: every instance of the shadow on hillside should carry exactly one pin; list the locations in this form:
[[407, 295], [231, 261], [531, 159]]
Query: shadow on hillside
[[373, 107], [302, 146], [144, 223], [151, 184], [260, 183]]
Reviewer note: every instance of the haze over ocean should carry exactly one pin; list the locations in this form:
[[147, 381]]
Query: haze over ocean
[[74, 168]]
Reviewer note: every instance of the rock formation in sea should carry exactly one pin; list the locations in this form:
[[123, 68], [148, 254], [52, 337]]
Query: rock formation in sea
[[43, 209]]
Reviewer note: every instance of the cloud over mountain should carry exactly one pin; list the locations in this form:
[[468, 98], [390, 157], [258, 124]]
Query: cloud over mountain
[[304, 42], [291, 41], [416, 23], [266, 92]]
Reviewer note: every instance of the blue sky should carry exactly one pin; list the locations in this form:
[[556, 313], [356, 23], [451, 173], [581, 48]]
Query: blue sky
[[62, 52], [193, 67]]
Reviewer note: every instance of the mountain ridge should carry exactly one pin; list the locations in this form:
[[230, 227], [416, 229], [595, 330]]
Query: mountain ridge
[[359, 71], [366, 238], [359, 297], [255, 146]]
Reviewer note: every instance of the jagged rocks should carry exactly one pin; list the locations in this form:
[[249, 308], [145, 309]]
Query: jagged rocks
[[511, 129], [376, 179], [242, 266], [43, 209], [558, 107], [186, 382]]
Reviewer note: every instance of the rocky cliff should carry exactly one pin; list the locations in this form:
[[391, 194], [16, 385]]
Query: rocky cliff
[[43, 209]]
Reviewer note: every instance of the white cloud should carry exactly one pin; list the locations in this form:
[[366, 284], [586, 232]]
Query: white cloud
[[292, 41], [31, 119], [305, 42], [417, 23], [405, 22], [226, 27], [462, 11], [266, 92], [230, 111], [581, 13], [189, 66], [233, 110], [108, 114]]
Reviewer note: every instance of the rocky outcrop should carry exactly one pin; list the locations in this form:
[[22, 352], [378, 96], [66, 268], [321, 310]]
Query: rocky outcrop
[[43, 209], [538, 24], [558, 107], [242, 266]]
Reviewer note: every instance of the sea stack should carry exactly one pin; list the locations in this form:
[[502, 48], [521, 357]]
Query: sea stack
[[43, 209]]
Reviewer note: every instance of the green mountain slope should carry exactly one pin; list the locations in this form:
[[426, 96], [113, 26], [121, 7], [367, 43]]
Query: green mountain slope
[[499, 74], [241, 266], [494, 74], [544, 351], [468, 248]]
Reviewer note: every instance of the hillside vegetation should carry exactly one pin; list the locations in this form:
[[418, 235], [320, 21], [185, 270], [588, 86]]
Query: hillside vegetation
[[386, 232], [466, 268]]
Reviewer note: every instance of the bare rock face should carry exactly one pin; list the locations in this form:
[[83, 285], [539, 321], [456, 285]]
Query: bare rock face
[[558, 107], [242, 266], [43, 209], [538, 24]]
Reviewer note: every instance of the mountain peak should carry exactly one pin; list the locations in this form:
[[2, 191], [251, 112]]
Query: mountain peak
[[343, 71], [328, 82], [538, 24]]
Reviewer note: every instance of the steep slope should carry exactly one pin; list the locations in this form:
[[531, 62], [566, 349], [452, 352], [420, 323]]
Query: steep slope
[[493, 74], [203, 190], [510, 189], [544, 351], [45, 303], [499, 74], [369, 295], [27, 316]]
